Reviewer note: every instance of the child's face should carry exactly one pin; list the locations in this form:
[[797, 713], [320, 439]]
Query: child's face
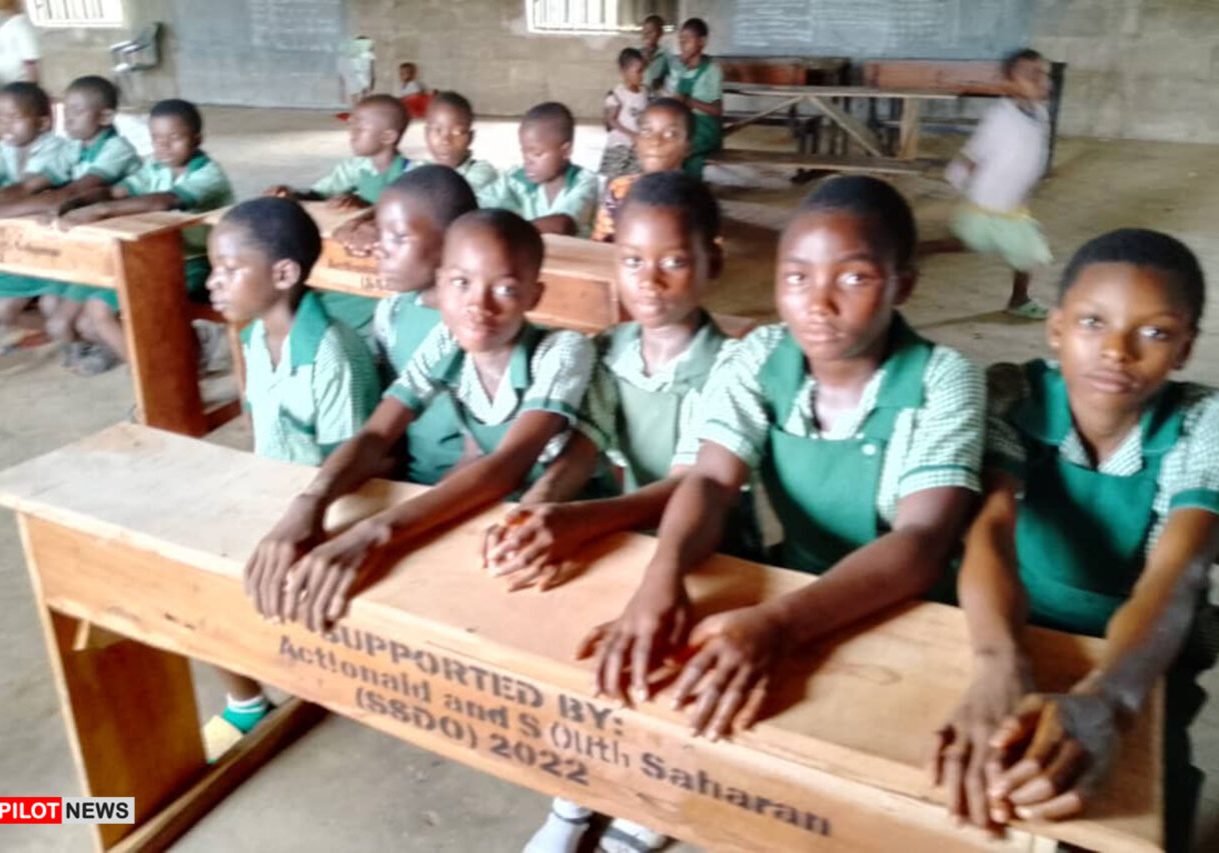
[[484, 288], [663, 141], [406, 73], [663, 267], [650, 34], [1030, 80], [449, 135], [243, 282], [371, 131], [173, 142], [19, 126], [632, 74], [690, 45], [83, 116], [1119, 333], [834, 287], [411, 243], [544, 151]]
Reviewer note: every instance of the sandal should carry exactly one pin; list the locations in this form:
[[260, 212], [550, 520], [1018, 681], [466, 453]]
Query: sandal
[[624, 836], [1030, 310], [95, 360]]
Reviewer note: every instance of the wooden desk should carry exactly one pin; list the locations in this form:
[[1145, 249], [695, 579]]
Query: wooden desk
[[140, 257], [438, 654]]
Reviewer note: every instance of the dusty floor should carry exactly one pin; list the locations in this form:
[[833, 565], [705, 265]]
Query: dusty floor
[[355, 789]]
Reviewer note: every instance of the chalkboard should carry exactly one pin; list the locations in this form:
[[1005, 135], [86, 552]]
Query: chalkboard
[[265, 53], [910, 29]]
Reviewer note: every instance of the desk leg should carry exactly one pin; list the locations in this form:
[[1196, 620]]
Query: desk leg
[[908, 137], [160, 342]]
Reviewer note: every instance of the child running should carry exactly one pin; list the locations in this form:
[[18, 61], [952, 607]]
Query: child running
[[310, 382], [662, 144], [644, 394], [516, 390], [1101, 517], [867, 438], [998, 169], [549, 190], [623, 106]]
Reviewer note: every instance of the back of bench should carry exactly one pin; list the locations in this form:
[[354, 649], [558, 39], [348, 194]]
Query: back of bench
[[960, 77]]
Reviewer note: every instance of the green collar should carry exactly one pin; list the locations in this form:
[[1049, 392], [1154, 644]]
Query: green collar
[[569, 177], [449, 368], [1045, 414], [691, 365], [194, 164], [90, 152]]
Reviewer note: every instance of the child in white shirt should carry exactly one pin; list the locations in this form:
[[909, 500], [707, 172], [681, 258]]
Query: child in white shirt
[[623, 106]]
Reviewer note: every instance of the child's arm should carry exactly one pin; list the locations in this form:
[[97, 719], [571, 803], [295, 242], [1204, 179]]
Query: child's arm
[[995, 607], [613, 108], [321, 584], [48, 201], [1074, 735], [566, 476], [358, 235], [556, 223]]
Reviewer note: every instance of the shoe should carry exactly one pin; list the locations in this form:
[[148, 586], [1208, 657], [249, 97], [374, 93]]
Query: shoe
[[96, 359], [1030, 310]]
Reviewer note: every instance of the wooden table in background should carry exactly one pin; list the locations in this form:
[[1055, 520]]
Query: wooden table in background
[[135, 540], [140, 257]]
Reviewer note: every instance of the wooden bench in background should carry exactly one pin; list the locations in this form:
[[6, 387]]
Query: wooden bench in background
[[438, 654]]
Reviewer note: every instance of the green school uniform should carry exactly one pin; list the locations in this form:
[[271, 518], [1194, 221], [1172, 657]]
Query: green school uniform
[[109, 156], [1083, 533], [918, 426], [577, 198], [51, 157], [479, 174], [201, 186], [548, 371], [705, 82], [320, 393], [357, 175]]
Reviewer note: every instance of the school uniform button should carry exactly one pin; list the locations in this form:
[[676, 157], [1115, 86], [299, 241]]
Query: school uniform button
[[869, 450]]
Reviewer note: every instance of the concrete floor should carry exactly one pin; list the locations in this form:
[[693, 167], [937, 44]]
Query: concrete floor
[[344, 787]]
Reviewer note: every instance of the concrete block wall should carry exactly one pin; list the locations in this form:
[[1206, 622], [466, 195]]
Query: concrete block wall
[[1138, 69]]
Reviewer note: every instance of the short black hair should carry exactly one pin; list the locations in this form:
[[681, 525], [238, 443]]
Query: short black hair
[[29, 97], [1142, 247], [407, 64], [280, 228], [697, 26], [400, 118], [653, 19], [886, 210], [628, 55], [99, 88], [1025, 54], [675, 106], [187, 112], [679, 191], [518, 234], [553, 113], [446, 193], [457, 101]]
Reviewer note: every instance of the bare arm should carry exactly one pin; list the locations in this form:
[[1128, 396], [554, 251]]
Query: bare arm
[[82, 209], [48, 201], [556, 223], [711, 108]]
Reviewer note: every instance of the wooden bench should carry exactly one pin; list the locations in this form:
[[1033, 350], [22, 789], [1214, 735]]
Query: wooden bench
[[133, 570], [140, 257], [822, 162]]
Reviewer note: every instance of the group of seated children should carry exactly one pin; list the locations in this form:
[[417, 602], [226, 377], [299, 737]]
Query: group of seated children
[[1085, 489]]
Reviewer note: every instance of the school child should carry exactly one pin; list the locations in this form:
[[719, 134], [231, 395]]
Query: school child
[[488, 281], [178, 176], [98, 157], [662, 144], [310, 382], [408, 80], [656, 58], [374, 130], [450, 134], [868, 441], [32, 159], [412, 216], [623, 106], [549, 190], [645, 391], [998, 169], [698, 82], [1101, 517]]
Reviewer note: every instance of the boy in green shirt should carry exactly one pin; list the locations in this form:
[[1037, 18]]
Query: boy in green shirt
[[695, 80]]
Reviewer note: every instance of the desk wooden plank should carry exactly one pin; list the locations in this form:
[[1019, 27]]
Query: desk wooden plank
[[843, 741], [830, 163], [839, 92], [30, 248], [855, 128]]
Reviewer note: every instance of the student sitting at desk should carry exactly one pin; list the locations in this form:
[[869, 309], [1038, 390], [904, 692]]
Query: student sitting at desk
[[549, 190], [698, 82], [516, 390], [374, 131], [99, 157], [867, 437], [32, 159], [1101, 517], [178, 176]]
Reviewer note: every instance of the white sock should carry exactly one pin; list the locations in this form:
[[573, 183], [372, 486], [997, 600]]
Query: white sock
[[563, 829], [644, 838]]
